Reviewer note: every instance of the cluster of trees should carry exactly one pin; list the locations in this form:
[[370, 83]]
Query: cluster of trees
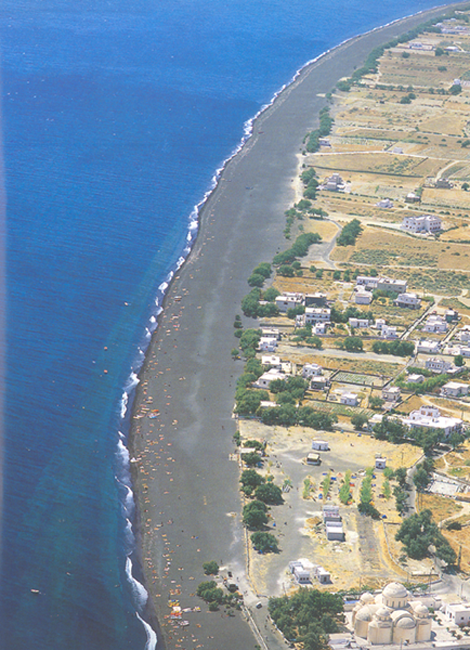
[[419, 532], [326, 122], [260, 274], [309, 179], [288, 415], [351, 344], [304, 335], [422, 476], [345, 489], [339, 316], [350, 233], [396, 348], [308, 616], [427, 386], [290, 390], [252, 308], [215, 596], [264, 542], [407, 99], [298, 249]]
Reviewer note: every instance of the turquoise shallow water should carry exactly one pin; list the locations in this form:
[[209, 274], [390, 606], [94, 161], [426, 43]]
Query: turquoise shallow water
[[116, 115]]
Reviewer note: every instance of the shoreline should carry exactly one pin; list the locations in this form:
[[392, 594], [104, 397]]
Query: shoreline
[[242, 216]]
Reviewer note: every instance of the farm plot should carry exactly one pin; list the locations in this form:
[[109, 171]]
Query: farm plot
[[361, 379]]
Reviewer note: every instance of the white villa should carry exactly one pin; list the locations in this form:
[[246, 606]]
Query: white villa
[[289, 300], [409, 300], [426, 223], [359, 322], [390, 284], [391, 617], [435, 324], [350, 399], [429, 417], [367, 282], [363, 297], [267, 377], [311, 369], [454, 389], [428, 346], [316, 315], [435, 364], [388, 332], [267, 344]]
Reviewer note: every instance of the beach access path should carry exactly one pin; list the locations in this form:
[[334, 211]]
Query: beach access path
[[186, 487]]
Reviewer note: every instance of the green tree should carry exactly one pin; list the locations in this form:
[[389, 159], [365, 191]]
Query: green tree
[[250, 479], [211, 568], [421, 479], [271, 294], [254, 515], [256, 280], [269, 493], [353, 344], [459, 360], [358, 420], [264, 542]]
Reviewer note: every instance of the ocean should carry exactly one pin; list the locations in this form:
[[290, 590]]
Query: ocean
[[116, 115]]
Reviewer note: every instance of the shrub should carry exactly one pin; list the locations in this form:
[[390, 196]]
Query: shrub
[[211, 568], [264, 542], [350, 233]]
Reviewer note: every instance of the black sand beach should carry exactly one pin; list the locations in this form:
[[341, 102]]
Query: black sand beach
[[186, 486]]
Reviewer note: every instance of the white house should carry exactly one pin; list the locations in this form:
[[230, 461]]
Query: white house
[[454, 389], [316, 315], [411, 197], [270, 333], [334, 183], [350, 399], [384, 203], [425, 223], [267, 377], [408, 300], [390, 284], [331, 513], [300, 572], [319, 329], [316, 299], [428, 346], [313, 459], [367, 282], [429, 417], [318, 383], [380, 463], [464, 333], [458, 613], [322, 575], [435, 324], [320, 445], [435, 364], [289, 301], [391, 394], [379, 323], [363, 298], [388, 332], [415, 378], [359, 322], [311, 369], [334, 531], [271, 360], [267, 344]]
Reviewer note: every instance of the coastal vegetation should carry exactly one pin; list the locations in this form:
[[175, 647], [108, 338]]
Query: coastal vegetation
[[307, 617]]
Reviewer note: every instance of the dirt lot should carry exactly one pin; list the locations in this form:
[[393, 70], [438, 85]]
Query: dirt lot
[[297, 522]]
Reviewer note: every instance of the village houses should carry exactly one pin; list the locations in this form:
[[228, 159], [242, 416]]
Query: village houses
[[429, 417], [408, 300]]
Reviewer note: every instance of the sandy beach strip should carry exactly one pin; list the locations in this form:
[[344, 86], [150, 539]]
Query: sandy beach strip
[[186, 486]]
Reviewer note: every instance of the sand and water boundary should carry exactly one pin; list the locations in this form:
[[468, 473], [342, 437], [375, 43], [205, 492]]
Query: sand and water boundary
[[185, 484]]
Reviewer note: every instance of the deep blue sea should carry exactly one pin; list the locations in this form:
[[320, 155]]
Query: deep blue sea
[[115, 116]]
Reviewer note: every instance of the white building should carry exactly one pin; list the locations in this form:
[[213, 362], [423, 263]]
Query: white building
[[437, 365], [270, 333], [320, 445], [458, 613], [334, 531], [359, 322], [331, 513], [428, 346], [384, 203], [318, 383], [454, 389], [390, 284], [366, 281], [408, 300], [267, 344], [379, 323], [429, 417], [435, 324], [388, 332], [319, 329], [313, 459], [322, 575], [380, 463], [350, 399], [426, 223], [334, 183], [300, 572], [311, 369], [289, 301], [363, 297], [316, 315], [415, 378], [271, 360], [464, 333], [391, 394], [267, 377]]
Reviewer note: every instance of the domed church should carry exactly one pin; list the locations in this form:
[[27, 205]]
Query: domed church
[[391, 617]]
